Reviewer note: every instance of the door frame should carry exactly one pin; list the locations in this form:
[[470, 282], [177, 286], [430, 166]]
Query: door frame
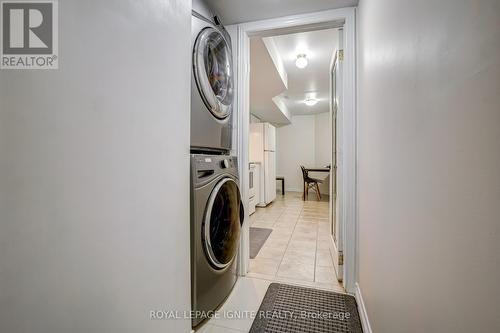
[[336, 227], [240, 35]]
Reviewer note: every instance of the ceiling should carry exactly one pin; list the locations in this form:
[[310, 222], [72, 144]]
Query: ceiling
[[314, 80], [238, 11], [265, 84]]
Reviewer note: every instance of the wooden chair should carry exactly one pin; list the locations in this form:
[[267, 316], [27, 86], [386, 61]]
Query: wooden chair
[[310, 183]]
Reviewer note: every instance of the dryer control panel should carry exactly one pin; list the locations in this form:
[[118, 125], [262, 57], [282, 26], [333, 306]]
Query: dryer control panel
[[207, 167]]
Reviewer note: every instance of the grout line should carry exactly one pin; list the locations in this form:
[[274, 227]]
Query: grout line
[[287, 244], [316, 251], [301, 283]]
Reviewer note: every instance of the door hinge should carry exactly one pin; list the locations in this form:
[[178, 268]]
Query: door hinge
[[341, 258], [341, 55]]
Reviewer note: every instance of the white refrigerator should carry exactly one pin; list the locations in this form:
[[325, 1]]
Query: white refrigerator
[[263, 151]]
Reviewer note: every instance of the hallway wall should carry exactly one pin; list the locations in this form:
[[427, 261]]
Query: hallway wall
[[295, 146], [94, 174], [304, 142], [429, 161]]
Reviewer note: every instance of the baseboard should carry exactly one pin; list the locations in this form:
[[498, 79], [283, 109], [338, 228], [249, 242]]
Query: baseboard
[[365, 323], [339, 269]]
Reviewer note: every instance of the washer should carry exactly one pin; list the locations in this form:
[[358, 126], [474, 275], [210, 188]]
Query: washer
[[212, 86], [216, 219]]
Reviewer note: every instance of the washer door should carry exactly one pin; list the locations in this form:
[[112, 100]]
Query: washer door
[[213, 72], [222, 224]]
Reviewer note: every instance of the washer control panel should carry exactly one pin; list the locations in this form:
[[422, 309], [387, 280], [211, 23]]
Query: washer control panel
[[205, 167]]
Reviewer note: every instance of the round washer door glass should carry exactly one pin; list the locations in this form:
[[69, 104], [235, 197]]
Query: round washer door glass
[[213, 72], [222, 223]]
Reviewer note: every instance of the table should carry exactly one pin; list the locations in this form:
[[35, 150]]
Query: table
[[282, 184], [318, 169]]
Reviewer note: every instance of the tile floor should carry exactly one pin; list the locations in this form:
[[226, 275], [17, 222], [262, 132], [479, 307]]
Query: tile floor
[[298, 249], [297, 252]]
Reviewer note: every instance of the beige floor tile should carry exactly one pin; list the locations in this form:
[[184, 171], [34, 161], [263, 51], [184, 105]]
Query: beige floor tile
[[263, 224], [298, 247], [325, 274], [277, 235], [306, 228], [302, 244], [296, 270], [309, 252], [288, 230], [271, 252], [247, 295], [265, 266], [324, 258], [324, 245], [287, 225], [306, 237], [281, 243], [303, 258]]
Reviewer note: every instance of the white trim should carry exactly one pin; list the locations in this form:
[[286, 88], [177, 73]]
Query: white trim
[[339, 269], [243, 129], [363, 315], [241, 47], [350, 176]]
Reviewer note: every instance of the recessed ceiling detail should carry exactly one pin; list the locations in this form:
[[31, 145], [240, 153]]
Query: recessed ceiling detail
[[308, 90], [238, 11], [268, 80]]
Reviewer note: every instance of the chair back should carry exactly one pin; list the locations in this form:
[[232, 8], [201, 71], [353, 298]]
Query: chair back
[[304, 173]]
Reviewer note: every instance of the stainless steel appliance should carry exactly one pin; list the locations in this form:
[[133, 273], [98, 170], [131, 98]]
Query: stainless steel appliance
[[216, 219], [212, 86]]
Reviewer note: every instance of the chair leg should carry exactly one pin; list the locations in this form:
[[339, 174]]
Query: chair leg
[[318, 192], [304, 191]]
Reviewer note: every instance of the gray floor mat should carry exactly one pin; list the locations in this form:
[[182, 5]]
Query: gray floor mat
[[258, 237], [292, 309]]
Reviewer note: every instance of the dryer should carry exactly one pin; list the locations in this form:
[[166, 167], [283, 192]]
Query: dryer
[[212, 86], [216, 220]]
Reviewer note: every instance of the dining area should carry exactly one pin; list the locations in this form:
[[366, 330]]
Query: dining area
[[316, 179], [304, 157]]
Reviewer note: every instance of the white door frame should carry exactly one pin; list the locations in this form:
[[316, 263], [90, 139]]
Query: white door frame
[[336, 123], [240, 34]]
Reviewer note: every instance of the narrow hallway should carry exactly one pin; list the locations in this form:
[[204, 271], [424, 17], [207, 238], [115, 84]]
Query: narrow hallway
[[297, 250]]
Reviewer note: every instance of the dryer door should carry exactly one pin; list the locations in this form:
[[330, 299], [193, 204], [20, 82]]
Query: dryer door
[[213, 71], [222, 224]]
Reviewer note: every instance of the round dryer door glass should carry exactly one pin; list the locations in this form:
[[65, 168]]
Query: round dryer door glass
[[213, 72], [222, 223]]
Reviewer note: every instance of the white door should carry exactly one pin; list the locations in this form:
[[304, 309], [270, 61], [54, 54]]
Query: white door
[[337, 161]]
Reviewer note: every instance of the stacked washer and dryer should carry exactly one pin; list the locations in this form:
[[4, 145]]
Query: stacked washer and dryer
[[216, 207]]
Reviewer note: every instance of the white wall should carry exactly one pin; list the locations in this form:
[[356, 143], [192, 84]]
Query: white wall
[[322, 148], [94, 174], [294, 147], [254, 119], [429, 161], [304, 142], [322, 139]]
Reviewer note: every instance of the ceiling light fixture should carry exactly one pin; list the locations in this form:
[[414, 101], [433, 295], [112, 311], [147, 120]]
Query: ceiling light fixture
[[311, 101], [301, 61]]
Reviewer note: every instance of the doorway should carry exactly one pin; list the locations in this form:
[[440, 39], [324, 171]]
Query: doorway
[[336, 114], [241, 35]]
